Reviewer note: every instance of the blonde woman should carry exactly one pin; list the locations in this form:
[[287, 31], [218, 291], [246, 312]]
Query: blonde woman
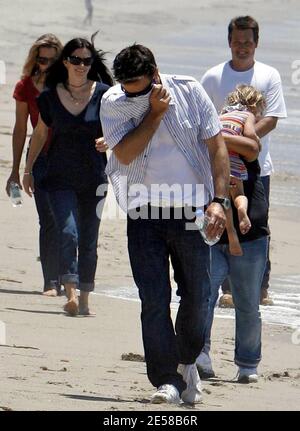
[[42, 54]]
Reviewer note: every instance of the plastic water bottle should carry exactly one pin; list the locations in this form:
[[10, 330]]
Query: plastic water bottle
[[15, 195], [202, 221]]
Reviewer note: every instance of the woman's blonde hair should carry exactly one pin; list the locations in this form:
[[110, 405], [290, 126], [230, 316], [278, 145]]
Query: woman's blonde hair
[[247, 96], [48, 40]]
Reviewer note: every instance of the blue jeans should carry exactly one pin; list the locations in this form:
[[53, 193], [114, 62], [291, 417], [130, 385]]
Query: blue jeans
[[78, 225], [48, 237], [245, 276], [151, 243]]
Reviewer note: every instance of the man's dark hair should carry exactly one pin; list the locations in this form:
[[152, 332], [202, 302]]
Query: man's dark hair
[[244, 23], [133, 62]]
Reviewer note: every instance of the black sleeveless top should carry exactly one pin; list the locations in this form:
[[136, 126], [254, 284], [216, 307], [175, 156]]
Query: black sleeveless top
[[73, 162], [257, 206]]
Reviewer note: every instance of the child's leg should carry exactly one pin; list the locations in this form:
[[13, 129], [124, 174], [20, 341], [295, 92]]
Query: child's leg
[[234, 245], [241, 204]]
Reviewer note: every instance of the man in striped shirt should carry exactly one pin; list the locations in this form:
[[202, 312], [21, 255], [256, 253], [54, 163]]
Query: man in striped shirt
[[165, 138]]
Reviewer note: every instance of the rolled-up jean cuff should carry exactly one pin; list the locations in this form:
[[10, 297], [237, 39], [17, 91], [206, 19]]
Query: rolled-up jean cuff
[[87, 287], [247, 364], [52, 284], [69, 278]]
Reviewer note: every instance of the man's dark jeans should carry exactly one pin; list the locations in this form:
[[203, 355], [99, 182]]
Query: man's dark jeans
[[151, 243]]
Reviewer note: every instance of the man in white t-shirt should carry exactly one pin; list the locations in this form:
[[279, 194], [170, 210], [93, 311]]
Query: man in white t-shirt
[[243, 35]]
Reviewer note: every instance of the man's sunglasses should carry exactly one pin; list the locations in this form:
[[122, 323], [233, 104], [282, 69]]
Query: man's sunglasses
[[139, 93], [76, 61], [44, 60]]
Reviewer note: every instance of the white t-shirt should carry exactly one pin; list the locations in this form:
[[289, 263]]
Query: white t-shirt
[[222, 79], [164, 183]]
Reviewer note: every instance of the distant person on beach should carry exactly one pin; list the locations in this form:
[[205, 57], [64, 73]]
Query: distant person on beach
[[42, 54], [70, 106], [89, 9], [164, 131], [219, 81], [238, 117]]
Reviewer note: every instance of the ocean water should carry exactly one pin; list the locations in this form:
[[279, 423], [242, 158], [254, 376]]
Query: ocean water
[[285, 290]]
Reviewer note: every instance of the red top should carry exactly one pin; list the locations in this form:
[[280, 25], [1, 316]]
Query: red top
[[26, 91]]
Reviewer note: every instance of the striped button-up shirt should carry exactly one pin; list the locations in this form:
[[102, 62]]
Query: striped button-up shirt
[[191, 118]]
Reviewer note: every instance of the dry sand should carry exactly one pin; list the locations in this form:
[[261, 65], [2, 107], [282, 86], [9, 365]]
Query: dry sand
[[53, 362]]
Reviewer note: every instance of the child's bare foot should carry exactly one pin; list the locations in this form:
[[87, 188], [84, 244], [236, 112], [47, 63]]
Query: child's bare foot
[[235, 248], [244, 220]]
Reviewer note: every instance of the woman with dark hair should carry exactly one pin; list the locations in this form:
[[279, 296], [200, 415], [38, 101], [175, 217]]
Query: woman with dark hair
[[70, 106], [42, 54]]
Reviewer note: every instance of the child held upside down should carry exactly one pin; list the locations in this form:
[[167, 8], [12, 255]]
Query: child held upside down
[[243, 107]]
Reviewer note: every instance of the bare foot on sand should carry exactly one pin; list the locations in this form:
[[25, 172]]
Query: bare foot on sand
[[50, 292], [244, 220], [71, 307], [86, 312]]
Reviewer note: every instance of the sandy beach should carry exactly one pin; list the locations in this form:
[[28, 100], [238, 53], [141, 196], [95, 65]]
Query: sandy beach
[[54, 362]]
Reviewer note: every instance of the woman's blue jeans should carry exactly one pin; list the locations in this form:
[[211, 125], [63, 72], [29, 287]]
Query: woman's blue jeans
[[245, 276], [78, 224], [151, 243]]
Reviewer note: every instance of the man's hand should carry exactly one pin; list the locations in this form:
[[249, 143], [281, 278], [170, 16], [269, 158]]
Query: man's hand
[[217, 220], [159, 100]]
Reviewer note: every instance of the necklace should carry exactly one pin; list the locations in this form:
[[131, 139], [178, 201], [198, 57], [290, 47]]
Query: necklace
[[75, 100]]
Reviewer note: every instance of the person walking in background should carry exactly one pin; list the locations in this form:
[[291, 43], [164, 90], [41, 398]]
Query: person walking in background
[[89, 8], [243, 106], [164, 130], [219, 81], [70, 106], [41, 55]]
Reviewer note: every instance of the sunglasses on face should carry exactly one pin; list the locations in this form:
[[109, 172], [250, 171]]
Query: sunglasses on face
[[44, 60], [76, 61], [139, 93]]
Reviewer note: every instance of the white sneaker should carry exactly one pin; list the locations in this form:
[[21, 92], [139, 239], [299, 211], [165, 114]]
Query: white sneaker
[[192, 393], [166, 394], [247, 375], [204, 366]]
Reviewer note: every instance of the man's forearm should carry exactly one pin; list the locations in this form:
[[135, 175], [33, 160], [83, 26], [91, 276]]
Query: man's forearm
[[134, 143], [265, 126], [219, 164]]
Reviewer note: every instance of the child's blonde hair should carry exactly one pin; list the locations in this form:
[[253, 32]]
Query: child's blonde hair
[[247, 96]]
